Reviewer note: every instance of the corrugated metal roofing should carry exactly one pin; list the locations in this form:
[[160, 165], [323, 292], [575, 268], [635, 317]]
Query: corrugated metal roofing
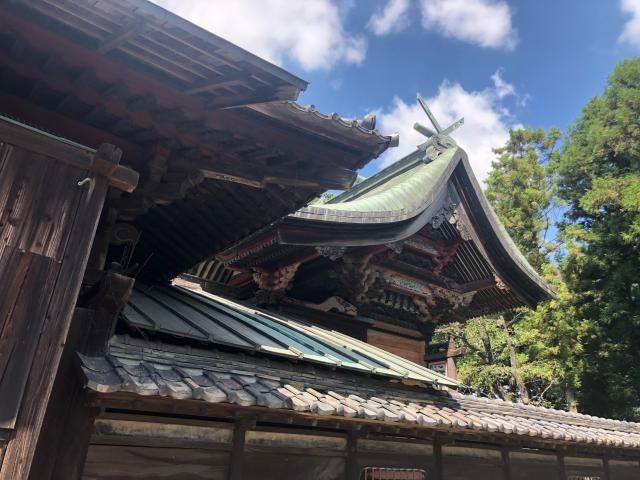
[[216, 320]]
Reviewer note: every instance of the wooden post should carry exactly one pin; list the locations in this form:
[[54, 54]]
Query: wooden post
[[562, 472], [68, 424], [506, 464], [64, 439], [351, 470], [437, 457], [49, 212], [605, 468], [237, 451]]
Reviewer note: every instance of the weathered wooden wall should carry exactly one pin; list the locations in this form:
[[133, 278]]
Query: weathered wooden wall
[[51, 196], [133, 447], [412, 349]]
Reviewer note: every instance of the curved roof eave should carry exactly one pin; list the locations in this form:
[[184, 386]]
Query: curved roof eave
[[412, 199], [399, 198]]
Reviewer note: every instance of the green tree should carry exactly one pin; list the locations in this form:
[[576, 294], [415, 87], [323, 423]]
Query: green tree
[[520, 191], [528, 355], [599, 177]]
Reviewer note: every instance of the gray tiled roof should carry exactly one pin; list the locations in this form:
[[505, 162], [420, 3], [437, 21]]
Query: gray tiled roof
[[245, 383], [360, 131]]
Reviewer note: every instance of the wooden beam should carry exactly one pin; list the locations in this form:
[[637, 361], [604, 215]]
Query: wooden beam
[[562, 471], [259, 176], [352, 456], [215, 161], [68, 424], [169, 97], [72, 154], [121, 36], [106, 301], [258, 95], [223, 81], [606, 469], [506, 465]]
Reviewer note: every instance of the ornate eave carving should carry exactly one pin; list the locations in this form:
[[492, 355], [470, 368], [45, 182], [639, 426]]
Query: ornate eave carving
[[426, 296], [499, 283], [440, 255], [395, 247], [234, 255], [358, 274], [278, 280], [331, 252], [330, 304], [455, 215], [461, 222]]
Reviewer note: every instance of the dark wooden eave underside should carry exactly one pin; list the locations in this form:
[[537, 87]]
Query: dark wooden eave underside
[[209, 176]]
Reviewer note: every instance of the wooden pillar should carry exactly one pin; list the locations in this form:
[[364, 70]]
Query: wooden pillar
[[51, 196], [437, 457], [562, 472], [351, 470], [506, 464], [237, 452], [605, 468], [68, 424], [64, 440]]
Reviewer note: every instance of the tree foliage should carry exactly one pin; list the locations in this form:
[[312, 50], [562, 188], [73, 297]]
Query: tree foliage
[[583, 346], [599, 178], [525, 355], [521, 192]]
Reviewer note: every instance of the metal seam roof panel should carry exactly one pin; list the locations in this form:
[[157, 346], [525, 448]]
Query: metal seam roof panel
[[215, 320]]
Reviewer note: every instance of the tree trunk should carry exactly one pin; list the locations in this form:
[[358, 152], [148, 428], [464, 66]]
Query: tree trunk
[[488, 355], [486, 341], [522, 389], [572, 402]]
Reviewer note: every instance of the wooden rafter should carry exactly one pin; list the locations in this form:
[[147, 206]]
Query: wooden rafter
[[121, 36]]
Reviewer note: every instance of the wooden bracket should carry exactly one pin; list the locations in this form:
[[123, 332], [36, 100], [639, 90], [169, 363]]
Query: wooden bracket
[[106, 300]]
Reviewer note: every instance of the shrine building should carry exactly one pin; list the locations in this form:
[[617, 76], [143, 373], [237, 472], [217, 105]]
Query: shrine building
[[177, 303]]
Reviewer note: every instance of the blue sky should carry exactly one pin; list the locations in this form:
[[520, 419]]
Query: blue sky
[[498, 63]]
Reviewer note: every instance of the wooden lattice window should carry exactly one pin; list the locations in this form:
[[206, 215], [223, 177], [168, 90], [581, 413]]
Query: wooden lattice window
[[382, 473]]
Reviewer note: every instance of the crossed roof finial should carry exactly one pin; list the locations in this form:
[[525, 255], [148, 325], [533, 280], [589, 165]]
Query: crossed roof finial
[[426, 131]]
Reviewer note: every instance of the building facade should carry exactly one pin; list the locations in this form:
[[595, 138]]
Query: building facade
[[174, 305]]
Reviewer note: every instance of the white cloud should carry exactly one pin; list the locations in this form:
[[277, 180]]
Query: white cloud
[[392, 18], [487, 121], [483, 22], [310, 33], [502, 88], [631, 32]]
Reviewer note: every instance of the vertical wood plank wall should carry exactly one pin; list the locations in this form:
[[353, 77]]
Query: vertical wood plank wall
[[48, 217], [130, 447]]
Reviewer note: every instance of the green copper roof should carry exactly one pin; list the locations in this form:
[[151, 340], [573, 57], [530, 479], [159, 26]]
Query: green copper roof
[[215, 320], [408, 194], [401, 194]]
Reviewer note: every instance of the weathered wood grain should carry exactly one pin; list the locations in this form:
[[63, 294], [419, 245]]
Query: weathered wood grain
[[408, 348], [110, 462], [48, 218], [64, 438]]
